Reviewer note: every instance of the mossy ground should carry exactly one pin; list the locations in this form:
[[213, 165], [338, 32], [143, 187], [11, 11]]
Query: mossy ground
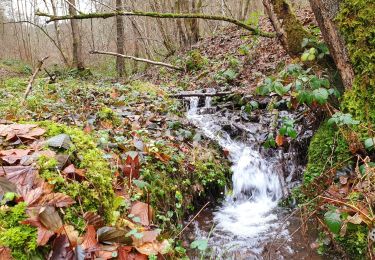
[[355, 20], [176, 186]]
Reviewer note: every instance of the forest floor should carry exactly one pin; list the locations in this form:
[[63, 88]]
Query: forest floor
[[118, 169]]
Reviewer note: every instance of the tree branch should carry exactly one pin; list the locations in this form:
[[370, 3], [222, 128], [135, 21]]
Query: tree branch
[[32, 78], [157, 63], [252, 29], [47, 34]]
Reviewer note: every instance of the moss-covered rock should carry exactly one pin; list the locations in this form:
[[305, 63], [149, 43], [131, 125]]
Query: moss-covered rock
[[95, 193], [327, 148]]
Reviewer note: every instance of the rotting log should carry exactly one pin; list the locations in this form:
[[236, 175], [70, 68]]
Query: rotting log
[[194, 94], [156, 63], [241, 24], [32, 78]]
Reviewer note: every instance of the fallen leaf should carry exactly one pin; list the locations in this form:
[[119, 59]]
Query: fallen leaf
[[89, 241], [22, 176], [20, 131], [94, 219], [13, 155], [59, 200], [143, 211], [71, 233], [5, 253], [61, 249], [110, 235], [49, 217], [154, 248], [107, 252], [279, 140], [32, 196], [6, 186], [147, 237], [70, 169]]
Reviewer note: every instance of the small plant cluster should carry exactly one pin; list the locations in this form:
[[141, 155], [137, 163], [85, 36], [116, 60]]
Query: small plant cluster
[[300, 85]]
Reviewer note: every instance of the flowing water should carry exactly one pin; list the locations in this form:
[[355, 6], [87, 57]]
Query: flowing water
[[248, 219]]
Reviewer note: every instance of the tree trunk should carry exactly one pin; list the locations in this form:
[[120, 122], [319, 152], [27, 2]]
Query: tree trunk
[[325, 13], [120, 61], [58, 35], [77, 44], [287, 26]]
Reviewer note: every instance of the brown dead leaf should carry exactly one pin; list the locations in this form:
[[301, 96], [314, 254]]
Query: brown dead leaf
[[32, 196], [148, 237], [22, 176], [59, 200], [20, 131], [61, 249], [89, 241], [162, 157], [13, 155], [143, 211], [49, 217], [70, 169], [154, 248], [94, 219], [110, 235], [106, 252], [71, 233], [5, 253], [279, 140]]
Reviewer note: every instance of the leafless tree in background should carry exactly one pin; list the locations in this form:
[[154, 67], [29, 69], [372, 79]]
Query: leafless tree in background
[[120, 61]]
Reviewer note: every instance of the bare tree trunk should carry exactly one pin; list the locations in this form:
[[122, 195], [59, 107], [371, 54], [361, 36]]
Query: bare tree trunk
[[325, 12], [77, 44], [287, 26], [57, 30], [120, 61]]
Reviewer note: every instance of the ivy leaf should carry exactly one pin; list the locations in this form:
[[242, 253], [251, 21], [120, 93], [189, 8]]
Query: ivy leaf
[[200, 244], [321, 95], [370, 143], [333, 221]]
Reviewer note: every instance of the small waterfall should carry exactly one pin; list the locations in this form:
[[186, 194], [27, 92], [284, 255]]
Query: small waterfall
[[247, 217]]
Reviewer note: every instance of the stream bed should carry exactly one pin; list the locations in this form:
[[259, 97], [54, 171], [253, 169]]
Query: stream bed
[[248, 223]]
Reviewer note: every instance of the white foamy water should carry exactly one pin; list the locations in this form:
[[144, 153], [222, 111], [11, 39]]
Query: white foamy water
[[247, 219]]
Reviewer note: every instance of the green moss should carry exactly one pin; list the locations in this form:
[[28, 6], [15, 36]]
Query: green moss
[[176, 186], [327, 148], [21, 239], [195, 61], [355, 241], [356, 22], [95, 193], [295, 33]]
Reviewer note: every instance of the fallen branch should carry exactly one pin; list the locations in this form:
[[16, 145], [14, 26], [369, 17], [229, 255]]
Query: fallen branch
[[252, 29], [192, 94], [31, 80], [157, 63]]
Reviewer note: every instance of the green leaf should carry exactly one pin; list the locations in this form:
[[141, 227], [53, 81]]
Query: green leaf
[[292, 133], [279, 89], [321, 95], [200, 244], [283, 131], [370, 143], [333, 221], [141, 184]]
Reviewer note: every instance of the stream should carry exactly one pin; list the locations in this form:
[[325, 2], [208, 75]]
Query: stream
[[249, 219]]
